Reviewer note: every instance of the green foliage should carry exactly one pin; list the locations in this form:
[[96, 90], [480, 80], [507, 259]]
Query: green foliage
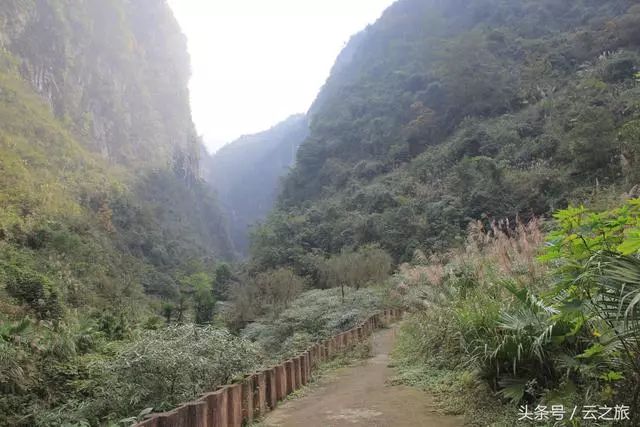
[[176, 364], [564, 336], [33, 290], [313, 316], [267, 293], [596, 254], [101, 209], [222, 281], [446, 112], [200, 287], [581, 233], [370, 265], [159, 369]]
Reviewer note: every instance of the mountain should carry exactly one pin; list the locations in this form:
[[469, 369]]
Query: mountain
[[246, 174], [104, 217], [114, 72], [111, 83], [445, 112]]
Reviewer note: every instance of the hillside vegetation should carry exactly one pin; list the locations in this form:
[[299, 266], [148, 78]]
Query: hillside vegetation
[[105, 224], [518, 317], [445, 112], [493, 146]]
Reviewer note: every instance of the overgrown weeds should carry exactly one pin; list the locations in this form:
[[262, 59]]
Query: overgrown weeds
[[537, 324]]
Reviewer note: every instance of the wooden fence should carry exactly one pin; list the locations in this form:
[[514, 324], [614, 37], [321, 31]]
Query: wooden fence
[[239, 404]]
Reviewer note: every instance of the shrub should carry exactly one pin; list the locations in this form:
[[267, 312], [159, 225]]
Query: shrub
[[32, 289], [558, 331], [367, 266], [478, 313], [313, 316], [596, 255], [265, 294], [163, 368]]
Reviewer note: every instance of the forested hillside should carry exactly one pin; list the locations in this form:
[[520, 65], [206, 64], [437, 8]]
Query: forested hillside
[[246, 174], [491, 148], [444, 112], [105, 222]]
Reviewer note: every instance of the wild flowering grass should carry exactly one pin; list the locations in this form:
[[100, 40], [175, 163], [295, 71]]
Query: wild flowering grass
[[458, 300], [501, 252], [548, 326]]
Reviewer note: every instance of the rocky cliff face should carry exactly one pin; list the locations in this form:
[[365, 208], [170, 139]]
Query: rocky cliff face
[[116, 72]]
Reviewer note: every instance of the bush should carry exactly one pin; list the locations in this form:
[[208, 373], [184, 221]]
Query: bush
[[369, 265], [165, 367], [313, 316], [32, 289], [478, 313], [265, 294], [554, 332]]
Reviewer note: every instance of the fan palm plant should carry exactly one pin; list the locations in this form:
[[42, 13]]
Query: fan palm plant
[[617, 303]]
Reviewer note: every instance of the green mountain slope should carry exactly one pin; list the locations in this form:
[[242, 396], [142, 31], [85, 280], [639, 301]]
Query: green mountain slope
[[247, 172], [118, 140], [103, 214], [442, 112]]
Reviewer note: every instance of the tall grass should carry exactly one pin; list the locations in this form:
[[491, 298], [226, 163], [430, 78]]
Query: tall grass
[[476, 314], [540, 319]]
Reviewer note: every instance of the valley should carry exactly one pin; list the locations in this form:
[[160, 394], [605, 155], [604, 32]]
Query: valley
[[471, 163]]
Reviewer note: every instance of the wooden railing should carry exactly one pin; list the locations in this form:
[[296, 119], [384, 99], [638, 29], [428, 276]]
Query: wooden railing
[[242, 402]]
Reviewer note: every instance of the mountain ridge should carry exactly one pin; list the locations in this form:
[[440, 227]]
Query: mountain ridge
[[246, 173], [445, 112]]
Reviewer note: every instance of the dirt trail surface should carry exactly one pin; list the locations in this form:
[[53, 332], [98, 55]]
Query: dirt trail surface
[[361, 396]]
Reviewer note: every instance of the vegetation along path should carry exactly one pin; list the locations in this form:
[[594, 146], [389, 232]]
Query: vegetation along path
[[361, 396]]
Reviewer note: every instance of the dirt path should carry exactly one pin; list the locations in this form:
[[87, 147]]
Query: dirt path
[[360, 396]]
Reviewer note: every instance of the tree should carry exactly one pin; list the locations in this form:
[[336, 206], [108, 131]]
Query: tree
[[356, 269], [223, 277], [278, 288], [198, 286]]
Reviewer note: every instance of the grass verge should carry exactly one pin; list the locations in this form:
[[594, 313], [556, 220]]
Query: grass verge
[[455, 391]]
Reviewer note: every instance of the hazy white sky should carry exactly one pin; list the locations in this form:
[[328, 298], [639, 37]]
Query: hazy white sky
[[256, 62]]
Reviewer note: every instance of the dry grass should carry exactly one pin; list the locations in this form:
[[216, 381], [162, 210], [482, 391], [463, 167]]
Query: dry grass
[[504, 250], [511, 249]]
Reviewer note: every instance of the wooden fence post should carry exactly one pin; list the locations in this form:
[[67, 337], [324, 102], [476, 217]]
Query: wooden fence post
[[272, 388], [216, 407], [313, 356], [260, 394], [281, 382], [303, 368], [297, 372], [247, 399], [234, 400], [291, 376], [196, 414]]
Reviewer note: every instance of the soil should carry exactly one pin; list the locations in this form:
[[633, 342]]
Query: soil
[[362, 396]]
